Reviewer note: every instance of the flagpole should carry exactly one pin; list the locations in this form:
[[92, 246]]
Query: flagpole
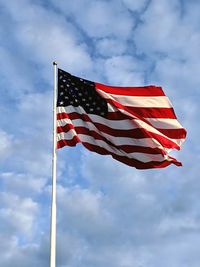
[[54, 158]]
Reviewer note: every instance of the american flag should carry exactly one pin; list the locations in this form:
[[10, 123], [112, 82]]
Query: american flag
[[135, 125]]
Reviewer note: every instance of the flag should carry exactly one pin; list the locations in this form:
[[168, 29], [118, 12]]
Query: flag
[[135, 125]]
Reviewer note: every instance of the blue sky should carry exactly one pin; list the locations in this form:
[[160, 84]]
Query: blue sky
[[108, 214]]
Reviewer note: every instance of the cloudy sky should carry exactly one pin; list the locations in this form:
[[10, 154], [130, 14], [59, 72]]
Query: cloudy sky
[[109, 214]]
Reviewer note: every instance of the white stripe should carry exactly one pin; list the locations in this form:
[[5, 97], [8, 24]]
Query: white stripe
[[143, 157], [136, 122], [116, 125], [164, 123], [139, 101], [92, 127], [79, 109], [144, 125], [127, 124], [144, 142]]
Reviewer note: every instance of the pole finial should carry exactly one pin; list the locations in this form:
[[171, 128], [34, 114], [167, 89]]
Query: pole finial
[[55, 63]]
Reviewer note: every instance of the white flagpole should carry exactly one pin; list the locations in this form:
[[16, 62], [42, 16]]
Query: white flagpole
[[53, 203]]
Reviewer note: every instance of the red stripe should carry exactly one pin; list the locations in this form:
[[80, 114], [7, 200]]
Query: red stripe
[[137, 133], [131, 162], [174, 133], [61, 143], [88, 132], [97, 136], [142, 113], [125, 148], [147, 165], [145, 112], [131, 91], [161, 113], [117, 115]]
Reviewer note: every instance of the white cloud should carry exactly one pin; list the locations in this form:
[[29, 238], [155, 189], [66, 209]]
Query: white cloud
[[108, 47], [124, 70], [14, 83], [151, 38], [30, 145], [5, 144], [85, 206], [13, 251], [100, 18], [23, 184], [173, 46], [17, 214], [46, 36], [178, 75], [71, 249], [136, 5]]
